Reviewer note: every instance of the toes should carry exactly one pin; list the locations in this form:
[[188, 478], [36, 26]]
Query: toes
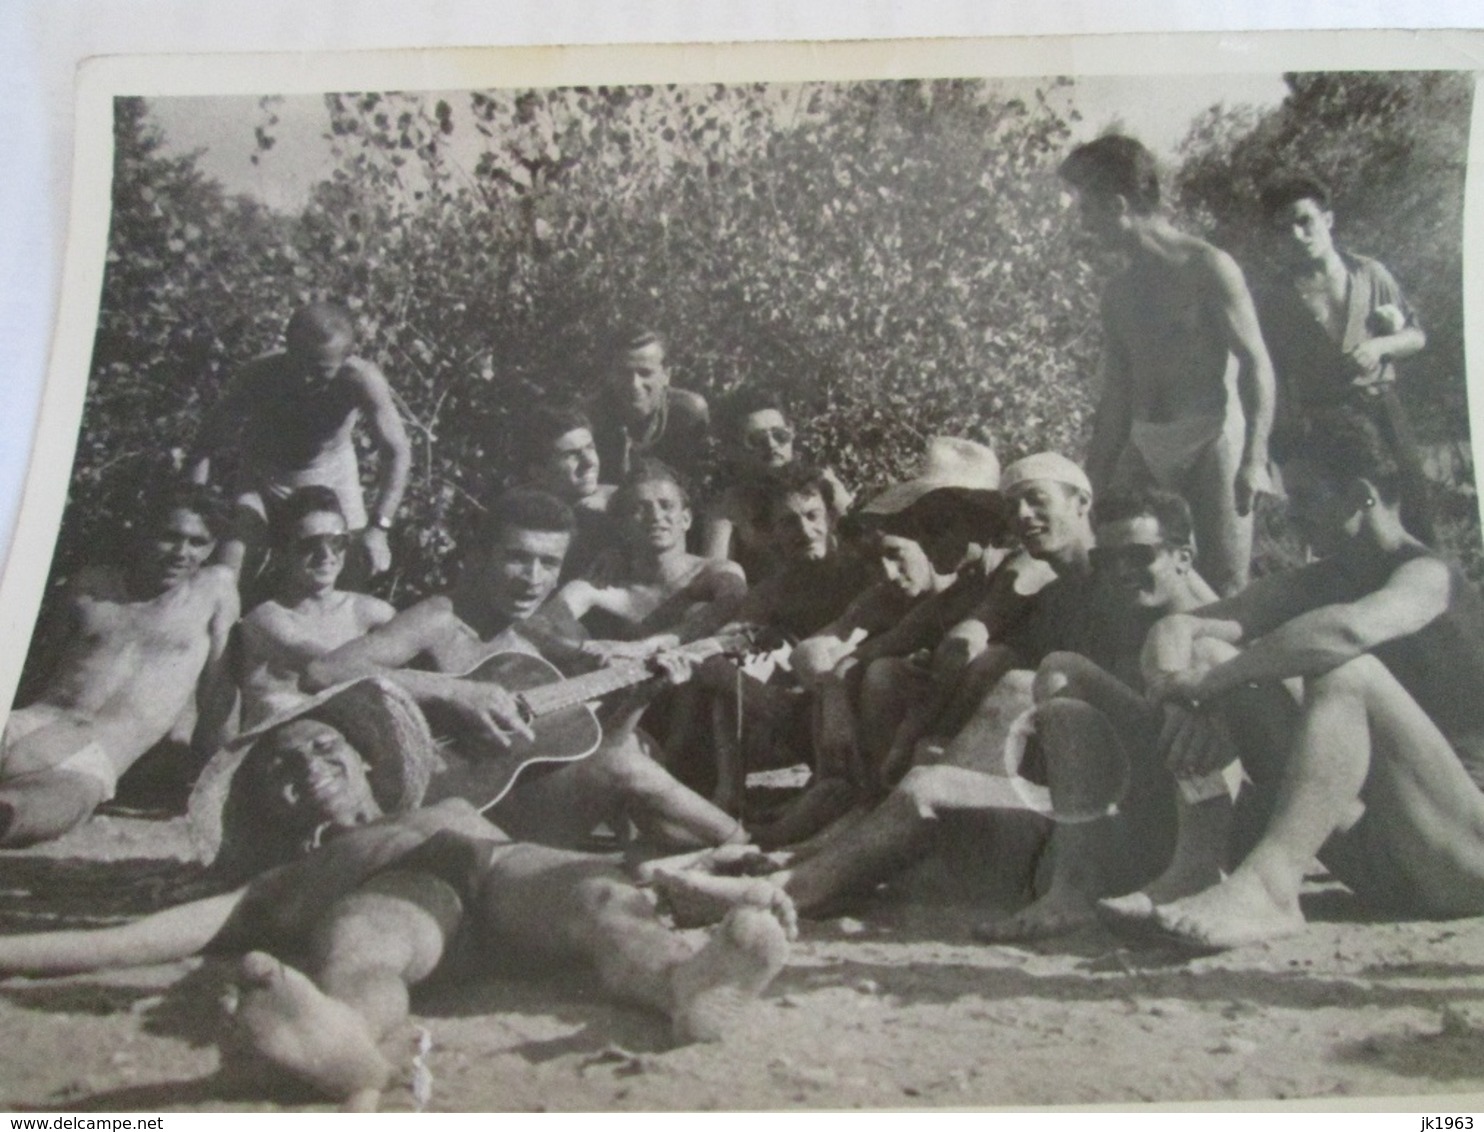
[[259, 968]]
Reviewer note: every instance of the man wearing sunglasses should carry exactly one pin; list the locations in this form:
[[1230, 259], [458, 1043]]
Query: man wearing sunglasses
[[307, 616]]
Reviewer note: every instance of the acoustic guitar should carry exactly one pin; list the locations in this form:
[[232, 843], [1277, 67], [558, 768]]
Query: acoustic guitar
[[559, 711]]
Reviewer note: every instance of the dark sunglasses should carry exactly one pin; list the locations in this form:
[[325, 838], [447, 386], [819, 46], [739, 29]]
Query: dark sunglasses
[[1134, 555], [313, 544], [764, 438]]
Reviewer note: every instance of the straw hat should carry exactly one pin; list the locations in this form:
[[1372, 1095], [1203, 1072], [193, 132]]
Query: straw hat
[[380, 720], [951, 462]]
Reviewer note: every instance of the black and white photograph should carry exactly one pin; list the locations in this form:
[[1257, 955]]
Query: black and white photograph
[[773, 581]]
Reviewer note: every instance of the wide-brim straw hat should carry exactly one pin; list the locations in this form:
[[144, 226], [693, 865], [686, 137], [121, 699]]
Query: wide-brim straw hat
[[964, 466], [378, 718]]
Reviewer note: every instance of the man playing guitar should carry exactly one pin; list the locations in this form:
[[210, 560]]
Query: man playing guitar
[[508, 573]]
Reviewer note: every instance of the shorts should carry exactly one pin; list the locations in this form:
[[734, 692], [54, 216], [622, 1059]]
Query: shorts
[[89, 759]]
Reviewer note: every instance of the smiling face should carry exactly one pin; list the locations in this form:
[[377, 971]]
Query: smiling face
[[316, 553], [802, 527], [1145, 569], [656, 515], [1050, 517], [1304, 231], [765, 440], [309, 775], [570, 470], [520, 570], [640, 381], [179, 548]]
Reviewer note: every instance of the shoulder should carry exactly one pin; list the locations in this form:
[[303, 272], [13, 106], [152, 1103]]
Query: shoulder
[[221, 583], [372, 610], [265, 616], [364, 376], [429, 616], [1218, 267], [1372, 271], [688, 405]]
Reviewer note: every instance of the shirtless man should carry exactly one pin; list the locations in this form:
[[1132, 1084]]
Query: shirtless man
[[1336, 324], [757, 443], [292, 416], [307, 616], [1382, 777], [654, 594], [1187, 397], [640, 416], [370, 890], [561, 459], [135, 644], [509, 573]]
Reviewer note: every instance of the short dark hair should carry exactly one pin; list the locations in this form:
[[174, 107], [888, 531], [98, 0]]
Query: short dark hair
[[203, 500], [1167, 508], [526, 509], [309, 500], [1280, 192], [544, 425], [647, 471], [741, 403], [634, 336], [1344, 444], [1115, 164], [795, 479], [318, 323]]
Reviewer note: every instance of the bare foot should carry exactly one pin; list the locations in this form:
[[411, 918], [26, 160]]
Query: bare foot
[[282, 1018], [714, 986], [1237, 911], [1130, 910], [1175, 883], [722, 860], [697, 899], [1058, 912]]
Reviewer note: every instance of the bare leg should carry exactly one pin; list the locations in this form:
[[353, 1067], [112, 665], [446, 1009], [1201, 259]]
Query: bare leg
[[572, 906], [1414, 838], [890, 690], [44, 804], [1223, 536]]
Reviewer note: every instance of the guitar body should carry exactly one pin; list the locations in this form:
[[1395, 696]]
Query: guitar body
[[484, 772]]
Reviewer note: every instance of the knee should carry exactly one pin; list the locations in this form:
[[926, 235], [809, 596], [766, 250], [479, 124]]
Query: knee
[[600, 896], [1356, 677], [1208, 652], [1060, 674], [1011, 695], [920, 792], [623, 768], [884, 675], [815, 658]]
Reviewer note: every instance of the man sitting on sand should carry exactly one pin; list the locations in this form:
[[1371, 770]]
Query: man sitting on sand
[[291, 416], [508, 574], [319, 809], [307, 616], [1382, 777], [135, 644], [561, 458], [1187, 400]]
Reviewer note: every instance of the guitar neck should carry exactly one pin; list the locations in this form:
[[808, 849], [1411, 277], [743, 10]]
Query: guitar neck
[[612, 677]]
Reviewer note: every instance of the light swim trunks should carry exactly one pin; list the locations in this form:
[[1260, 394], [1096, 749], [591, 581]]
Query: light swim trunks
[[89, 760]]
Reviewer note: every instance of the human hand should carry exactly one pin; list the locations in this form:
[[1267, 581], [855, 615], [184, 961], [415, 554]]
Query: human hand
[[1365, 361], [378, 549], [606, 652], [1195, 744], [674, 665], [494, 713], [1169, 649], [1252, 480]]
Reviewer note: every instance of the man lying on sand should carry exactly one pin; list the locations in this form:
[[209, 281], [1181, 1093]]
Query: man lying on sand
[[320, 808]]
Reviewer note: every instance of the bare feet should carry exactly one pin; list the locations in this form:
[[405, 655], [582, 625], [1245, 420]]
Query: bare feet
[[1060, 911], [1239, 910], [714, 986], [1175, 883], [697, 899], [282, 1018]]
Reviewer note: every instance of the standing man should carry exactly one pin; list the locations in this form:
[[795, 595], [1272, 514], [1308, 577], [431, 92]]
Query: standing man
[[639, 415], [1337, 323], [1187, 400], [135, 644], [292, 415]]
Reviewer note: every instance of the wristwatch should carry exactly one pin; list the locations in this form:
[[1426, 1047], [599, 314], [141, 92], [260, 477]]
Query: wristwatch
[[381, 523]]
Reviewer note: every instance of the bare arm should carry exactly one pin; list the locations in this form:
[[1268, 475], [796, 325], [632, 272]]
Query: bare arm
[[216, 690], [716, 536], [1255, 381], [175, 933], [1115, 411], [390, 436]]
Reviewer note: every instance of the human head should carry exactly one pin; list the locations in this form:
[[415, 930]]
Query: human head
[[799, 505], [303, 775], [516, 557], [636, 372], [1115, 178], [1144, 544], [1050, 498], [953, 500], [754, 428], [1297, 209], [179, 533], [559, 453], [654, 508], [309, 539], [1339, 475], [319, 338]]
